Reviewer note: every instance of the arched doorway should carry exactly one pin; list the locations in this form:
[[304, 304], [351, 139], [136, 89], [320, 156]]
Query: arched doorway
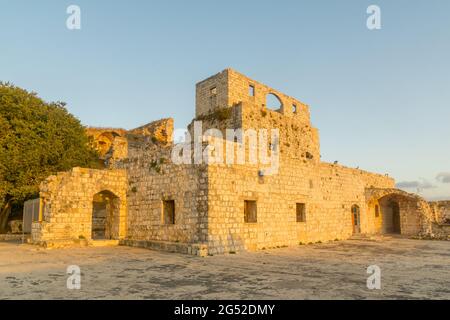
[[356, 219], [400, 212], [105, 216], [390, 209]]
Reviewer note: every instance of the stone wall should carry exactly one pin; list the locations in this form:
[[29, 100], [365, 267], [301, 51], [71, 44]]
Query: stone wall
[[229, 88], [153, 179], [211, 93], [441, 226], [328, 191], [110, 143], [442, 211], [160, 131], [67, 204]]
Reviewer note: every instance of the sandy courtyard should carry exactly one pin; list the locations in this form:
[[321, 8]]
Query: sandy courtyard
[[410, 269]]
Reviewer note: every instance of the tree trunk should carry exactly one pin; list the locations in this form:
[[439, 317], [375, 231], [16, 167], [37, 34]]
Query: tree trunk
[[4, 215]]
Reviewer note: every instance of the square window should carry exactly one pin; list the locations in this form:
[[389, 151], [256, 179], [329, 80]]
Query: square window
[[250, 215], [251, 90], [169, 212], [213, 91], [301, 212]]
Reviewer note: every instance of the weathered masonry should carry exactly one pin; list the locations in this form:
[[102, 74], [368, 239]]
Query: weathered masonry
[[142, 198]]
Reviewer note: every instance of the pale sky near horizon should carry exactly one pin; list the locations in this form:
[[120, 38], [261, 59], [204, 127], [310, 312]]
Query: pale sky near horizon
[[379, 98]]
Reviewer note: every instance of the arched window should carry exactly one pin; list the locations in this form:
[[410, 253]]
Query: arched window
[[355, 208], [273, 102]]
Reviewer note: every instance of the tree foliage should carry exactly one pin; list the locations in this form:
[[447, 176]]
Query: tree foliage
[[37, 139]]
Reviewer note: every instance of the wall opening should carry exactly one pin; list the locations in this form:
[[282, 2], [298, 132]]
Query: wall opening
[[273, 102], [250, 211], [294, 108], [169, 212], [213, 97], [301, 212], [390, 213], [105, 216], [396, 218], [251, 90], [356, 219]]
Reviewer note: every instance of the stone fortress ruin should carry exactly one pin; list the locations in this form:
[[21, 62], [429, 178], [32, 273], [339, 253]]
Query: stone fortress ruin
[[142, 198]]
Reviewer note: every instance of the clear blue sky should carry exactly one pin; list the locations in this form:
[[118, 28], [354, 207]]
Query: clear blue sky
[[380, 98]]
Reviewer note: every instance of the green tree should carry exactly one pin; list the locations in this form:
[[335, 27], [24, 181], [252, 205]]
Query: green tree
[[37, 139]]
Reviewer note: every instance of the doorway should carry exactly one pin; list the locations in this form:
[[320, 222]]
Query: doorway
[[356, 219], [391, 215], [395, 218], [105, 213]]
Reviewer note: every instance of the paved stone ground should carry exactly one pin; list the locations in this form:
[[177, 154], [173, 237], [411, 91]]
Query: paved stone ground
[[411, 269]]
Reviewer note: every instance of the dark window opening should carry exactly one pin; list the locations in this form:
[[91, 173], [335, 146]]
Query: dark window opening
[[213, 97], [396, 218], [294, 108], [251, 90], [250, 214], [301, 212], [169, 211]]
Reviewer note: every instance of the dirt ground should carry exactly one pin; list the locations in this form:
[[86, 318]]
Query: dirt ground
[[410, 269]]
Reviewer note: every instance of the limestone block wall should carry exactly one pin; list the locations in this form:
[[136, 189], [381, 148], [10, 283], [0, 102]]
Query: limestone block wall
[[152, 179], [67, 204], [211, 93], [109, 142], [328, 191], [238, 91], [411, 217], [440, 224], [112, 143], [442, 211], [159, 131], [229, 88], [298, 140]]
